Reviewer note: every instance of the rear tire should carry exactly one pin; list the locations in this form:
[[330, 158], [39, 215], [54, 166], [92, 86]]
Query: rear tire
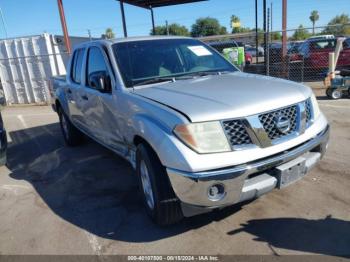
[[336, 94], [159, 198], [72, 136]]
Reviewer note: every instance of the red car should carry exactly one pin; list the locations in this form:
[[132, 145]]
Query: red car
[[248, 58], [315, 54]]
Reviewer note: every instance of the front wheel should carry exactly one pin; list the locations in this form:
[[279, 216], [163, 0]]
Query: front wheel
[[158, 196], [72, 136]]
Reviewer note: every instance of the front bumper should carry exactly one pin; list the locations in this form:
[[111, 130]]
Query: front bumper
[[246, 181]]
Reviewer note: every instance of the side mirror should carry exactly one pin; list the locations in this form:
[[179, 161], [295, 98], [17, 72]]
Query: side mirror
[[100, 81]]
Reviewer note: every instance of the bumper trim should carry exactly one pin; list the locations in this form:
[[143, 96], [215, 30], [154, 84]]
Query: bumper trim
[[191, 188]]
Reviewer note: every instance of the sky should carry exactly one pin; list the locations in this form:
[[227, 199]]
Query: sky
[[30, 17]]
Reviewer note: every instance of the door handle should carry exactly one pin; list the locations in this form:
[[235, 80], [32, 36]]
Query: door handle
[[84, 97], [69, 91]]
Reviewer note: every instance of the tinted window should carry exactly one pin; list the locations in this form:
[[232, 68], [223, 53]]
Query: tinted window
[[304, 48], [77, 65], [323, 44], [141, 60], [96, 62], [346, 43]]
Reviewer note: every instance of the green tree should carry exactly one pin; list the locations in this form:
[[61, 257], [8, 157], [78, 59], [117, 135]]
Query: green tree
[[276, 36], [300, 34], [174, 29], [223, 30], [109, 34], [314, 18], [339, 25], [207, 26]]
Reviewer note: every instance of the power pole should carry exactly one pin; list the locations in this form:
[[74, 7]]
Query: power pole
[[167, 27], [89, 33], [64, 26], [3, 23], [265, 34], [271, 20], [284, 28], [256, 32], [267, 42]]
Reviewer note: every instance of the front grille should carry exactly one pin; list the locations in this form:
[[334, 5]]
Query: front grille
[[275, 124], [236, 132], [268, 120], [308, 108]]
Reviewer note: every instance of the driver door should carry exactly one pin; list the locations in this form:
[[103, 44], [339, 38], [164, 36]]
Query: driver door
[[98, 104]]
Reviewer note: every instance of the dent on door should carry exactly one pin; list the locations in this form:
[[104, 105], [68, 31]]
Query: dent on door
[[110, 123]]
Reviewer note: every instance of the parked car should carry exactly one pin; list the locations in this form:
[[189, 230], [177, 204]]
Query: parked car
[[275, 51], [221, 45], [252, 51], [3, 137], [293, 47], [320, 37], [200, 134], [315, 54]]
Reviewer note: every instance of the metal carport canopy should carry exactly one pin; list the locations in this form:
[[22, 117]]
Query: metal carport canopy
[[150, 4]]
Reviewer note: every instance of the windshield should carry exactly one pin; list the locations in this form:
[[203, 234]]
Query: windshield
[[140, 61]]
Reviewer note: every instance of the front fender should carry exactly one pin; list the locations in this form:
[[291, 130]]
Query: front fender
[[161, 139]]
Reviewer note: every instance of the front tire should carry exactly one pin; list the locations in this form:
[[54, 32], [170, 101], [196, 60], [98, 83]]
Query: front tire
[[158, 196], [72, 136]]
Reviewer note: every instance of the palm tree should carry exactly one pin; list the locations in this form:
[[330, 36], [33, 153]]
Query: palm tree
[[109, 33], [313, 18], [235, 23]]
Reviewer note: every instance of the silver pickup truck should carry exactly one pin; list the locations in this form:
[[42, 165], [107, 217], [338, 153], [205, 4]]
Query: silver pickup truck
[[200, 134]]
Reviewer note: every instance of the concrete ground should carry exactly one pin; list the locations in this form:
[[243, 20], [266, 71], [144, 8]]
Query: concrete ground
[[83, 200]]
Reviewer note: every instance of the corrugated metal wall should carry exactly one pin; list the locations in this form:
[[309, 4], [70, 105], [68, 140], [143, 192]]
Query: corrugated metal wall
[[26, 65]]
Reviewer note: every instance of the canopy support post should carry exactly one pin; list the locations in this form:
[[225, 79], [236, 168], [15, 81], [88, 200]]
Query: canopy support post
[[123, 17], [152, 16]]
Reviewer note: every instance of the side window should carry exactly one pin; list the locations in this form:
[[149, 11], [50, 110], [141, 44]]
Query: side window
[[346, 43], [96, 64], [77, 64], [74, 61]]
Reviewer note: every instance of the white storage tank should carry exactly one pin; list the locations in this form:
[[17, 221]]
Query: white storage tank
[[27, 63]]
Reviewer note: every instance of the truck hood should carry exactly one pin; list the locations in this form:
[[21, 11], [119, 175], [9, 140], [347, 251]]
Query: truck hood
[[226, 96]]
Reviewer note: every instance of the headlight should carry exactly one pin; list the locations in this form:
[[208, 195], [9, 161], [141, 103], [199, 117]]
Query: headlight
[[206, 137], [315, 106]]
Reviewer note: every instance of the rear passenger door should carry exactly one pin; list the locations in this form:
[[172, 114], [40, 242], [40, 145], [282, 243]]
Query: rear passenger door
[[74, 84]]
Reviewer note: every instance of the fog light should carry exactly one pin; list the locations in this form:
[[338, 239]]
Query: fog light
[[216, 192]]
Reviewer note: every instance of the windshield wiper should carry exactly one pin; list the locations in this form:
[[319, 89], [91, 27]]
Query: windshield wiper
[[204, 73], [155, 80], [184, 76]]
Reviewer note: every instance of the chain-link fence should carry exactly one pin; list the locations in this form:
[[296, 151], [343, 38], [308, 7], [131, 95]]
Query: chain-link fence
[[303, 58]]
